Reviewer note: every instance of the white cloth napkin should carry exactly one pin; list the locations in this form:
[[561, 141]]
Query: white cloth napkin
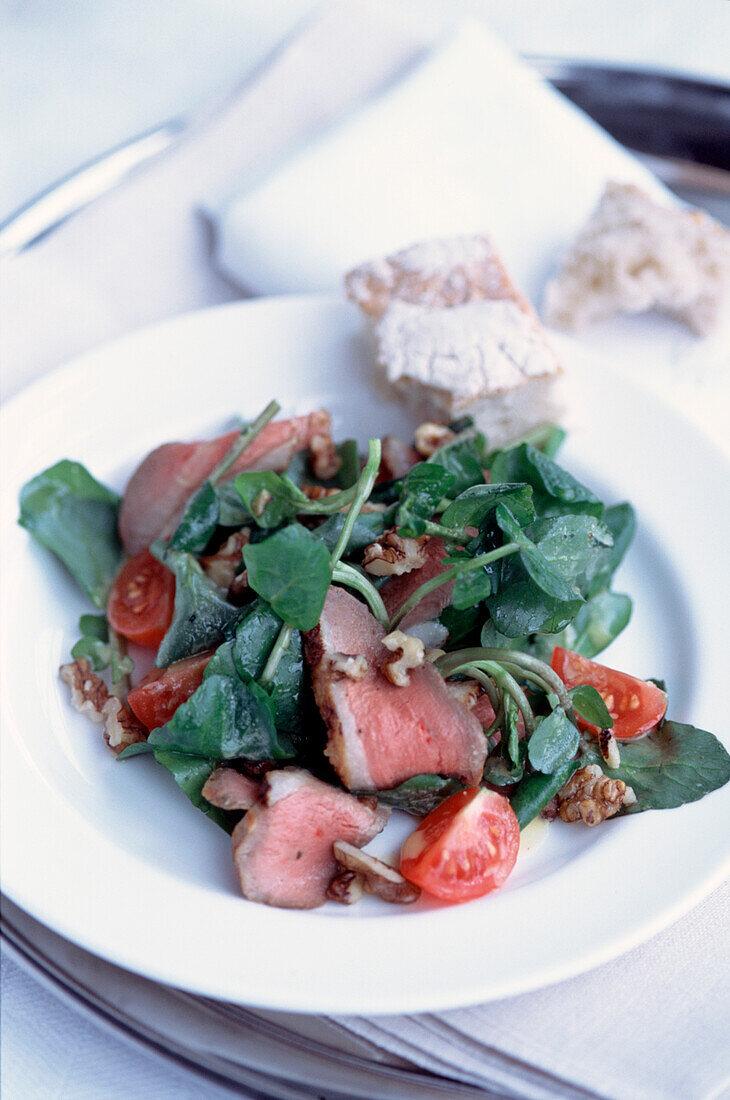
[[651, 1024]]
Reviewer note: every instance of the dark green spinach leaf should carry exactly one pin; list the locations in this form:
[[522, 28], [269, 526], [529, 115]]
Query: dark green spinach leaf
[[199, 521], [75, 516], [224, 719], [270, 498], [424, 486], [554, 742], [291, 571], [554, 488], [589, 704], [255, 637], [472, 507], [621, 522], [202, 617], [675, 764], [419, 795], [536, 790], [191, 774]]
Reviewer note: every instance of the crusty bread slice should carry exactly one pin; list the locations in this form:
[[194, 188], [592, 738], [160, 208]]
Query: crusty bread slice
[[633, 255], [449, 271], [487, 359]]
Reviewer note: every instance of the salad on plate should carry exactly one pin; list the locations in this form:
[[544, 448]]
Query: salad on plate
[[338, 635]]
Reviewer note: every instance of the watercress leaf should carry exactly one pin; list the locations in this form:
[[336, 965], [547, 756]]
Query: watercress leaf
[[424, 486], [462, 459], [224, 719], [470, 588], [255, 637], [93, 650], [536, 790], [590, 706], [521, 607], [499, 773], [576, 546], [546, 572], [291, 571], [368, 527], [199, 521], [553, 486], [202, 617], [675, 764], [137, 748], [191, 774], [75, 516], [420, 794], [554, 742], [232, 512], [621, 522], [269, 497], [460, 624], [222, 663], [598, 622], [94, 626], [476, 504]]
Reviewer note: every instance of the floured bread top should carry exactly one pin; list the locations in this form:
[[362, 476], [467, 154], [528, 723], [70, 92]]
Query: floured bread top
[[470, 352], [445, 272], [633, 255]]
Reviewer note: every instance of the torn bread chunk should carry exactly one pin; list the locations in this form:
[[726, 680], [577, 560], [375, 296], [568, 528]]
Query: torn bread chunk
[[487, 359], [633, 255], [282, 848], [445, 272]]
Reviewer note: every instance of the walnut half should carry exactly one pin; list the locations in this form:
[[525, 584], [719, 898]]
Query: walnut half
[[90, 696], [408, 652], [591, 797], [393, 555], [378, 878]]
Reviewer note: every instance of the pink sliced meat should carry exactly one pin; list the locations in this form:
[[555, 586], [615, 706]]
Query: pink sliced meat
[[229, 790], [379, 734], [160, 487], [282, 848], [396, 590]]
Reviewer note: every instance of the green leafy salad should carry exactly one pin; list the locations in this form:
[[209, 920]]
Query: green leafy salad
[[335, 635]]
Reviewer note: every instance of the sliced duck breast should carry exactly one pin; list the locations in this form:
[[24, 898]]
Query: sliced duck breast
[[160, 487], [282, 848], [396, 590], [379, 734], [229, 790]]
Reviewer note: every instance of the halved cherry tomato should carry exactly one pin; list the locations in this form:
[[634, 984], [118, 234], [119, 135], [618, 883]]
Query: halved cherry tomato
[[163, 690], [636, 706], [142, 600], [464, 848]]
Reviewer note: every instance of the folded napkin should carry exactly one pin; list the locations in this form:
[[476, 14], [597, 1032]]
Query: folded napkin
[[470, 139]]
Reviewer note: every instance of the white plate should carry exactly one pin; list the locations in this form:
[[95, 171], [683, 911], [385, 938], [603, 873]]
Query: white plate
[[113, 857]]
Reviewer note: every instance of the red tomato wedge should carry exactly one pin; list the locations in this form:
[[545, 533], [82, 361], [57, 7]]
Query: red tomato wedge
[[465, 848], [157, 697], [636, 706], [142, 600]]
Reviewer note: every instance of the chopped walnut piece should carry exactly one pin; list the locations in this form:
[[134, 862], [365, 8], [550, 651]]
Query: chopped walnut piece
[[408, 652], [550, 811], [609, 748], [323, 457], [346, 887], [318, 492], [393, 555], [90, 696], [591, 797], [222, 566], [378, 878], [466, 691], [430, 436], [259, 502], [354, 668]]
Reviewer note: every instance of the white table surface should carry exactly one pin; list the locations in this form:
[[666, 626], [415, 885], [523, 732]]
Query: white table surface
[[81, 76]]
